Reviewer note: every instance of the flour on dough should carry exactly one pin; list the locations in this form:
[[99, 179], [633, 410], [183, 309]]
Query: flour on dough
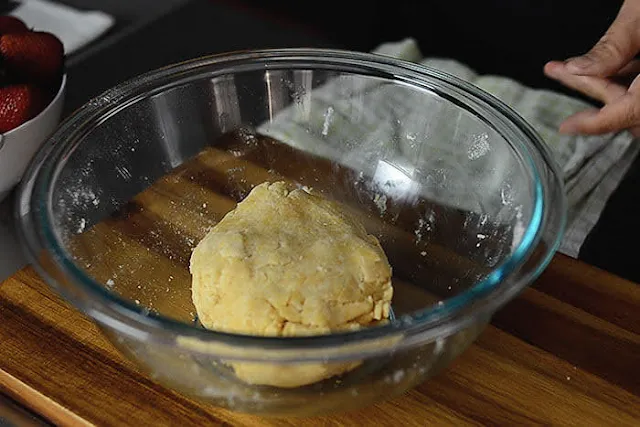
[[289, 263]]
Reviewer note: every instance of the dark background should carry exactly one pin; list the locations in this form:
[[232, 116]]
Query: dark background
[[514, 38], [507, 37]]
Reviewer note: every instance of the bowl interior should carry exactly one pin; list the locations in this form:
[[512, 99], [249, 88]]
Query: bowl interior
[[445, 183]]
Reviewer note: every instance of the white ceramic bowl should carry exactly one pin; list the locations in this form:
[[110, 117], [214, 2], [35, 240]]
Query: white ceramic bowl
[[19, 145]]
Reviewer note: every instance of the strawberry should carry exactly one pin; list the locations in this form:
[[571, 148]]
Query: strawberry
[[11, 24], [34, 56], [18, 103]]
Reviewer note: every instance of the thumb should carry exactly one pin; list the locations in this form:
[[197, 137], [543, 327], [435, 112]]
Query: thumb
[[615, 49]]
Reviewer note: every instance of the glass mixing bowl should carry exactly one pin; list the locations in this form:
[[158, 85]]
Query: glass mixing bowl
[[462, 194]]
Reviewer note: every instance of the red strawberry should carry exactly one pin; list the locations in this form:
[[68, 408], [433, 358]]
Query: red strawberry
[[34, 56], [11, 24], [18, 103]]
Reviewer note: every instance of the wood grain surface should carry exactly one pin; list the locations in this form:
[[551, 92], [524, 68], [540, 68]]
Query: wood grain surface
[[564, 352], [547, 359]]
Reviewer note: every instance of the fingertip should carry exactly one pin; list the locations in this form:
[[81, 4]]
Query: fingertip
[[553, 68], [583, 122], [554, 63], [568, 129]]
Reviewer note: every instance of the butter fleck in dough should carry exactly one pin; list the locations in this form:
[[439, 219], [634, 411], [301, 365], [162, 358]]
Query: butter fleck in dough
[[289, 263]]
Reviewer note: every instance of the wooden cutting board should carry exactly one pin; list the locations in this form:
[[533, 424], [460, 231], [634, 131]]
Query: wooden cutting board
[[565, 352]]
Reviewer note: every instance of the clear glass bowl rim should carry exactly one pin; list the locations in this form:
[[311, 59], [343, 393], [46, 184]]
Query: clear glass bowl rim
[[35, 224]]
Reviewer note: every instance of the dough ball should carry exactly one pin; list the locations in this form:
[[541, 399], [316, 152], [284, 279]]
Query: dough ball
[[288, 263]]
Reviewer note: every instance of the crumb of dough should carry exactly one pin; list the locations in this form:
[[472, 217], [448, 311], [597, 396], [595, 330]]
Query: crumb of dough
[[286, 262]]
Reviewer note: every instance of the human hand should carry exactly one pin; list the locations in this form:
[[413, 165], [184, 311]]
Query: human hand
[[608, 73]]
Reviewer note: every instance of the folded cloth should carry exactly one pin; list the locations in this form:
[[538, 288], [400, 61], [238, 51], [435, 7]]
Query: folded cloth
[[592, 166], [75, 28]]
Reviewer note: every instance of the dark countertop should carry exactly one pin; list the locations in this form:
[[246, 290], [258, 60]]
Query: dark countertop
[[193, 28]]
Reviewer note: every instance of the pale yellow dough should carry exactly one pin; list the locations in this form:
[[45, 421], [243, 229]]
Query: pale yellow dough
[[288, 263]]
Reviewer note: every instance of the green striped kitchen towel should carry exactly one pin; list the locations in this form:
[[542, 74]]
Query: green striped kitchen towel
[[592, 165]]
